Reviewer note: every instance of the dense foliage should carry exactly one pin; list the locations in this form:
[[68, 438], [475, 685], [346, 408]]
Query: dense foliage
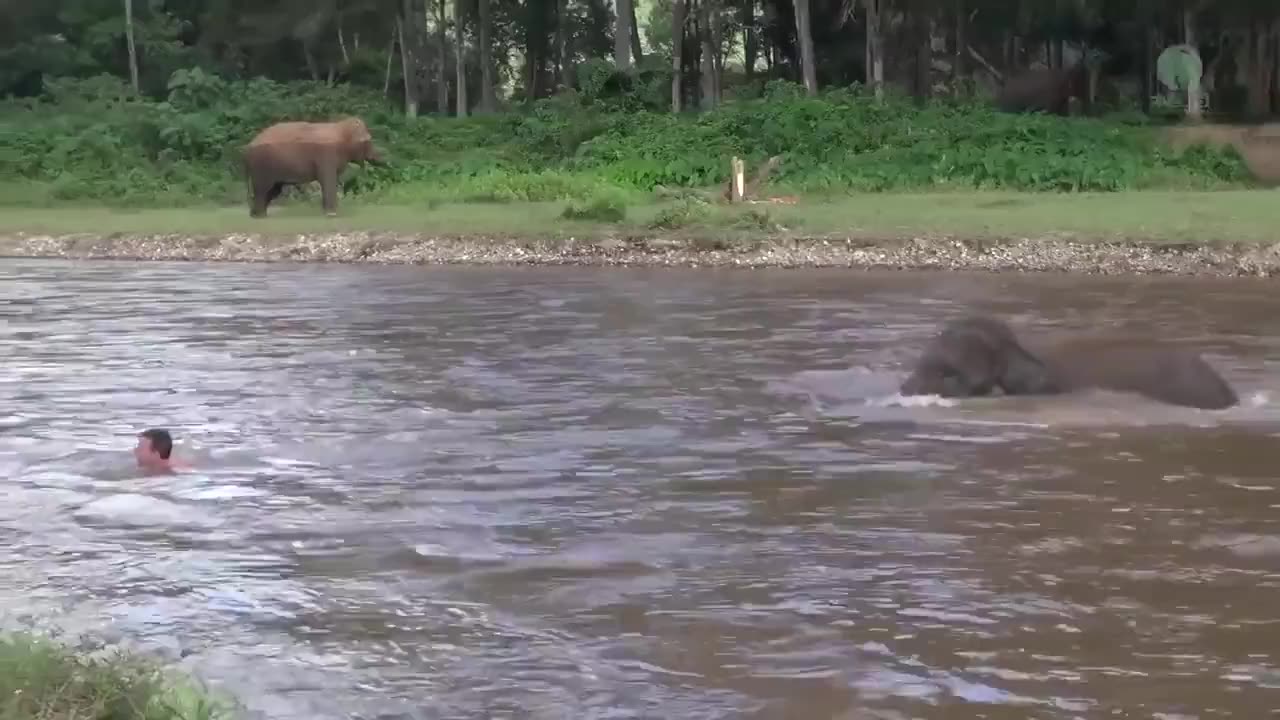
[[460, 56], [143, 101], [42, 679], [94, 140]]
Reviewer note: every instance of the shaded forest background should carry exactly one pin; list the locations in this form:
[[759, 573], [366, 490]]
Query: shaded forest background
[[135, 98], [463, 56]]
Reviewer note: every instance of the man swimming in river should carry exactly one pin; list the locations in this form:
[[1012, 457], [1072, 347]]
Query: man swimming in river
[[154, 450]]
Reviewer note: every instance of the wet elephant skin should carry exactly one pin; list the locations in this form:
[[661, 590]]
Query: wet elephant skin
[[977, 355]]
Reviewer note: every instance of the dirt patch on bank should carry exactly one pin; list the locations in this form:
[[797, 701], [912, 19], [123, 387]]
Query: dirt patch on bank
[[1258, 145], [1041, 254]]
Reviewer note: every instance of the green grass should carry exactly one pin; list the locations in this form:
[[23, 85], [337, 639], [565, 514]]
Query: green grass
[[83, 143], [40, 679], [1168, 216]]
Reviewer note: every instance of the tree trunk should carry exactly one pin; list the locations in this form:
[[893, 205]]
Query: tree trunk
[[750, 46], [570, 61], [460, 50], [710, 98], [562, 22], [133, 50], [342, 44], [692, 53], [1021, 55], [677, 54], [717, 55], [804, 35], [530, 74], [410, 27], [924, 57], [1146, 64], [488, 101], [875, 47], [622, 35], [1193, 89], [391, 54], [442, 59], [406, 69], [310, 57], [1259, 73], [959, 74], [1275, 65], [637, 52]]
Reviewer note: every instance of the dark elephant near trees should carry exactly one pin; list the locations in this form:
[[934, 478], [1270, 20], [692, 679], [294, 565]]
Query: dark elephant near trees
[[295, 153], [977, 355], [1045, 90]]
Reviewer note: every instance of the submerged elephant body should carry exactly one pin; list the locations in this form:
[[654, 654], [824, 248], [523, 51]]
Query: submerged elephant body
[[296, 153], [978, 355]]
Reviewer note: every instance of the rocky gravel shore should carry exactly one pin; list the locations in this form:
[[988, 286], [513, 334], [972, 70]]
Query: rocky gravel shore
[[1038, 254]]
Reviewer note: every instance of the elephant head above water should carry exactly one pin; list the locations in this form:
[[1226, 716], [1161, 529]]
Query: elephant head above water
[[977, 355], [295, 153]]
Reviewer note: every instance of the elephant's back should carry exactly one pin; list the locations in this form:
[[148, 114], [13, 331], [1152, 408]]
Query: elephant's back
[[1031, 83], [285, 132], [1159, 370]]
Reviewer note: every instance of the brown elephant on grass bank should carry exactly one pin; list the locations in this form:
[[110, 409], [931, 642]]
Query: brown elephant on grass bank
[[1046, 90], [977, 355], [294, 153]]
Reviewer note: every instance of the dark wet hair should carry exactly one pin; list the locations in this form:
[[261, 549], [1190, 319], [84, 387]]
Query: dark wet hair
[[161, 441]]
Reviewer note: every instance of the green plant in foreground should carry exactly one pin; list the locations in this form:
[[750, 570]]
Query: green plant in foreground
[[757, 219], [599, 210], [685, 212], [40, 679]]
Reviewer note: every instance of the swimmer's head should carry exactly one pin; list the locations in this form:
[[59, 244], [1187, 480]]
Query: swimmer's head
[[153, 449]]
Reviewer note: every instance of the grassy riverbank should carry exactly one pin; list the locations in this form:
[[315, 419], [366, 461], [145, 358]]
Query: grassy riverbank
[[1155, 216], [1223, 234], [42, 680], [91, 141], [607, 179]]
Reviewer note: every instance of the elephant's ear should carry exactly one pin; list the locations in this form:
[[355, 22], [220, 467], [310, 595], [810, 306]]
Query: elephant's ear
[[1025, 374]]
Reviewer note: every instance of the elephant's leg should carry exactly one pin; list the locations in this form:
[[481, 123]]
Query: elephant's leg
[[273, 192], [261, 197], [1061, 102], [328, 177]]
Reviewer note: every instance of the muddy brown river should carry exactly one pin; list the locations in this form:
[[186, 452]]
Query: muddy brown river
[[608, 493]]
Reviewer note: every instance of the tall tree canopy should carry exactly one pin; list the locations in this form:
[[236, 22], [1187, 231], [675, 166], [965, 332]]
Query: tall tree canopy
[[465, 56]]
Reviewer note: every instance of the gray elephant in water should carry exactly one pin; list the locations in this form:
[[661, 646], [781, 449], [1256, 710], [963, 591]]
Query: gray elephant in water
[[978, 354]]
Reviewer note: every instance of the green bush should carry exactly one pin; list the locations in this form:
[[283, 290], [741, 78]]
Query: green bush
[[682, 213], [41, 679], [600, 210], [93, 140]]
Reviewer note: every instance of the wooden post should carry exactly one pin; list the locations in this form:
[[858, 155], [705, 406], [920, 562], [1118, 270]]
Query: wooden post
[[738, 182]]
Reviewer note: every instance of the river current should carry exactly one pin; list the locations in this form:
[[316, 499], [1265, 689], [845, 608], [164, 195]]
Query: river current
[[624, 493]]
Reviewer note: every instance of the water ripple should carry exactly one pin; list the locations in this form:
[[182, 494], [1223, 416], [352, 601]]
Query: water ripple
[[549, 493]]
